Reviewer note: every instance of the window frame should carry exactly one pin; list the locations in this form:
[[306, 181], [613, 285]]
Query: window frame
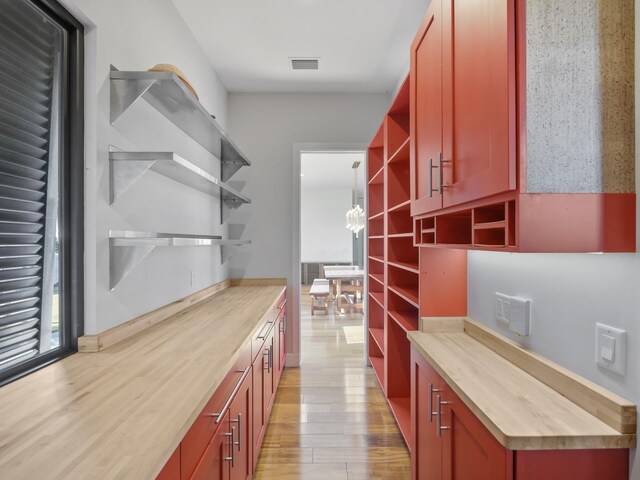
[[71, 196]]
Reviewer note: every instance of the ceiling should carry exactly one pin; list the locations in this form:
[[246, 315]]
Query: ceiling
[[362, 45], [331, 170]]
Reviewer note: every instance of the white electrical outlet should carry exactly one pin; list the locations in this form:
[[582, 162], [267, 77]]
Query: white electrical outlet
[[502, 307], [193, 278], [611, 348]]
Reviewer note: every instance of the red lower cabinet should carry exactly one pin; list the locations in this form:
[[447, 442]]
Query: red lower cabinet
[[171, 470], [216, 462], [240, 411], [450, 443]]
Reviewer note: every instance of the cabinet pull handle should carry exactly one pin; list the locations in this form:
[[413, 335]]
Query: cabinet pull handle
[[268, 327], [439, 427], [218, 416], [239, 422], [430, 178], [267, 353], [270, 357], [432, 390], [232, 458], [441, 186]]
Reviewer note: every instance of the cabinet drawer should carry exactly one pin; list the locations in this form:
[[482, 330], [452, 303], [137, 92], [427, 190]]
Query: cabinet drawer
[[257, 342], [205, 426]]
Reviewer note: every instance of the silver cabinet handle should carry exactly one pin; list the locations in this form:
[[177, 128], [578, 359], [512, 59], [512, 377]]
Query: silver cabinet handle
[[432, 390], [270, 357], [439, 427], [268, 327], [239, 422], [440, 178], [267, 353], [232, 458], [430, 177], [219, 416]]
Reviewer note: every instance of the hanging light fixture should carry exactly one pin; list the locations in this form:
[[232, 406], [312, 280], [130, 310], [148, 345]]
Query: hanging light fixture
[[355, 216]]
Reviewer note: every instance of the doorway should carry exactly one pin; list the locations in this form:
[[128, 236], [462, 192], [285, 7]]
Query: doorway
[[332, 276]]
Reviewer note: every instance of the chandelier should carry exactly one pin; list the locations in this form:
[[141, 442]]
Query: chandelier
[[355, 216]]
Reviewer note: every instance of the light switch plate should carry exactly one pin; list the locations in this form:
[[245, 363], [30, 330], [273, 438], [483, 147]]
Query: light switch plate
[[611, 348], [520, 316]]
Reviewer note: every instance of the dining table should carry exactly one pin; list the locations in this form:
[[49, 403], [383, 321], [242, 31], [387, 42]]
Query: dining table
[[338, 276]]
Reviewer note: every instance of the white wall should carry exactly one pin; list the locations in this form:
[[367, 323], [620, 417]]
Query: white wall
[[570, 293], [324, 236], [267, 127], [135, 35]]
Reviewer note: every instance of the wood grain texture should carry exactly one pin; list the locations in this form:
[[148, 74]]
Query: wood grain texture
[[253, 282], [121, 413], [102, 340], [519, 410], [610, 408], [330, 419]]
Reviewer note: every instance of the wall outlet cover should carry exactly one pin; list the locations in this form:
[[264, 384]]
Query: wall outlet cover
[[611, 348], [502, 307], [519, 316]]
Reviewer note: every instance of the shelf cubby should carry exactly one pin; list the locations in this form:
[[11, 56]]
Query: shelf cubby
[[398, 358], [376, 227], [376, 247], [401, 251], [399, 222], [398, 184], [376, 199]]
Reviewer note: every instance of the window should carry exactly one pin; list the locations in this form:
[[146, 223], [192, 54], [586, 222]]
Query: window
[[41, 185]]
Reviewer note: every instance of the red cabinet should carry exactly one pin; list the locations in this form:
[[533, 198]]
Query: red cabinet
[[215, 464], [450, 442], [241, 429], [463, 103], [486, 176], [264, 387], [171, 470], [281, 338], [426, 122]]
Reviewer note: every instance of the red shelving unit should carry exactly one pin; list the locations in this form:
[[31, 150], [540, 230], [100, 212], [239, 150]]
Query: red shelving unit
[[393, 260]]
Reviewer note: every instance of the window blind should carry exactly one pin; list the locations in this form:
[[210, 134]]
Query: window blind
[[29, 58]]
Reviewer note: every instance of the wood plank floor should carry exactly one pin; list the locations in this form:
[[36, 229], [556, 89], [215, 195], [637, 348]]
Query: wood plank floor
[[330, 420]]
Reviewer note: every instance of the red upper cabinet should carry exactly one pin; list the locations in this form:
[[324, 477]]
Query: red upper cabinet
[[478, 99], [463, 103], [426, 112], [519, 135]]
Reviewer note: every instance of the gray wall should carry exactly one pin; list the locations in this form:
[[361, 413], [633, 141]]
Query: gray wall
[[266, 127], [135, 35]]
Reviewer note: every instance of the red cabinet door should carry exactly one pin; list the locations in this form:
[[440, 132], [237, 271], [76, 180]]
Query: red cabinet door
[[426, 112], [270, 376], [426, 451], [216, 462], [171, 469], [262, 390], [282, 341], [240, 412], [479, 101], [469, 450]]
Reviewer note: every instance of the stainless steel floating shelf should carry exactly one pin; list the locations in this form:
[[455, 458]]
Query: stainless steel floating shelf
[[128, 248], [167, 94], [127, 167]]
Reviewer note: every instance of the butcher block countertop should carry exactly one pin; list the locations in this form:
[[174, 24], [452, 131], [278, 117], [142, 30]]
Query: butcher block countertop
[[521, 410], [121, 412]]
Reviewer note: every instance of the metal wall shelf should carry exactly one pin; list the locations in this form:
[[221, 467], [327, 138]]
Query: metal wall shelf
[[167, 94], [127, 248], [127, 167]]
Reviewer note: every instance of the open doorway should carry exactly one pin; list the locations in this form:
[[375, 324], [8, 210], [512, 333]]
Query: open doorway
[[332, 272]]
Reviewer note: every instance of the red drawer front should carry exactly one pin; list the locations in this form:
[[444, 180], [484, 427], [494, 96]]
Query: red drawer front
[[282, 301], [257, 342], [199, 435]]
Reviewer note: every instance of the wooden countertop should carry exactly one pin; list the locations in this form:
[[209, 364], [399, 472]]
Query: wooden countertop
[[521, 411], [121, 412]]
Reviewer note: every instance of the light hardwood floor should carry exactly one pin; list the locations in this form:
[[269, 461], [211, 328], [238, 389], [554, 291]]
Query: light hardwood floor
[[330, 420]]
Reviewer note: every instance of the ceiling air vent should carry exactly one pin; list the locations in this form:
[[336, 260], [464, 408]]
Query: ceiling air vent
[[304, 63]]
